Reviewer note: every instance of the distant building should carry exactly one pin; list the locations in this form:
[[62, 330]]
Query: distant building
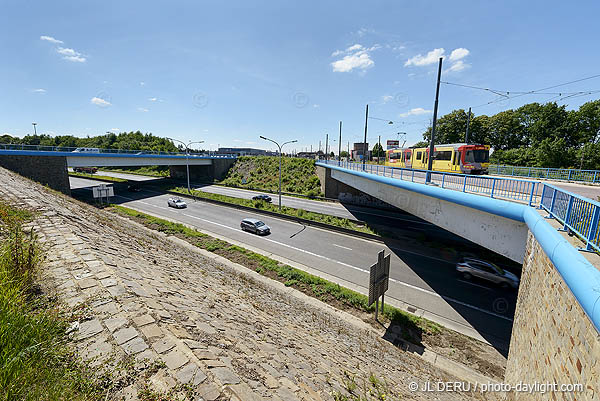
[[359, 149], [310, 155], [245, 152]]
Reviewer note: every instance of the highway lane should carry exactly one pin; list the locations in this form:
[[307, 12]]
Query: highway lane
[[311, 205], [420, 279], [125, 176]]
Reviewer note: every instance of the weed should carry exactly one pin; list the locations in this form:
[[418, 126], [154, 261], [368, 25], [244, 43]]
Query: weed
[[35, 360]]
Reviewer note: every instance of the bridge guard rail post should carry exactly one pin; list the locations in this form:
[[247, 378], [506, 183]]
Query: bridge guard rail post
[[593, 231], [532, 192]]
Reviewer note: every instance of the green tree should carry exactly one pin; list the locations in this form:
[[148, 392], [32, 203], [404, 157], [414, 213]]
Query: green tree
[[450, 128], [344, 154], [504, 131], [377, 151]]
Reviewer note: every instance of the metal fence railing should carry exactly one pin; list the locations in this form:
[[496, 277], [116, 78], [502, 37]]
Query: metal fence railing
[[592, 176], [519, 190], [576, 213], [42, 148]]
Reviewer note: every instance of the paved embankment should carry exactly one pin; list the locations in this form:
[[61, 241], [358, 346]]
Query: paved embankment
[[217, 327]]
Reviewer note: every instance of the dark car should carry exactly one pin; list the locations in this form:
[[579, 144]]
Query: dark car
[[262, 197], [255, 226], [471, 268], [134, 188]]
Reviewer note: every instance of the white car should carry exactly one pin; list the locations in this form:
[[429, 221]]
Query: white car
[[176, 203]]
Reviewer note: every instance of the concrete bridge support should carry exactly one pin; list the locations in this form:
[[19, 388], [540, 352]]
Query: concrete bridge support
[[217, 170], [51, 171], [500, 234]]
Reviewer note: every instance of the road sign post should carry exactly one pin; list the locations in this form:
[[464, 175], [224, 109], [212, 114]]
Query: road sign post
[[103, 190], [378, 281]]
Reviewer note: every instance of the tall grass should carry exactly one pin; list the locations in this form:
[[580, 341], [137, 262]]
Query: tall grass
[[35, 361]]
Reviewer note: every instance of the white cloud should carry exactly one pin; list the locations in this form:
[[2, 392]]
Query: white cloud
[[459, 53], [356, 56], [455, 59], [114, 129], [50, 39], [71, 54], [100, 102], [415, 112], [153, 99], [40, 90], [316, 106], [430, 58], [142, 83], [143, 109], [363, 31], [387, 98], [458, 66], [76, 59]]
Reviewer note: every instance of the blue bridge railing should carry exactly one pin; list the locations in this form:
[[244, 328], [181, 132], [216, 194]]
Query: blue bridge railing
[[592, 176], [42, 148], [576, 213], [520, 190]]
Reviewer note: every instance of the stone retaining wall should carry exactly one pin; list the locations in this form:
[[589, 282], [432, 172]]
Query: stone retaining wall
[[553, 340], [47, 170]]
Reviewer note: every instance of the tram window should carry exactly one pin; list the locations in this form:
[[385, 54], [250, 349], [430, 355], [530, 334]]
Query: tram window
[[443, 155], [407, 156], [419, 155], [456, 158]]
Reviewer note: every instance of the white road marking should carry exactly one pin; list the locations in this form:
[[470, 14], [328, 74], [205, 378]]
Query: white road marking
[[432, 293], [476, 285], [435, 294], [340, 246]]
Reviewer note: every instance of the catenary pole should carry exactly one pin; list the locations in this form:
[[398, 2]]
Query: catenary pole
[[435, 110]]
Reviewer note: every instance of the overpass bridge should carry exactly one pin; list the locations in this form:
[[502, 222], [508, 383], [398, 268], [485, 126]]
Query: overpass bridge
[[556, 330], [48, 164]]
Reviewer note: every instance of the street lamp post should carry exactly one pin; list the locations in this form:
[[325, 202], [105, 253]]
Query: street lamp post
[[34, 129], [187, 160], [279, 146]]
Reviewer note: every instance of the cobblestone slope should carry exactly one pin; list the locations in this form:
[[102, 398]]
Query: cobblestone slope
[[227, 335]]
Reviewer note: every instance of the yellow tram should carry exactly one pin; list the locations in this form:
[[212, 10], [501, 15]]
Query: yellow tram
[[454, 158]]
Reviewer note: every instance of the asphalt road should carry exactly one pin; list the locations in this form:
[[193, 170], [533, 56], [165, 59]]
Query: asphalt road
[[421, 279]]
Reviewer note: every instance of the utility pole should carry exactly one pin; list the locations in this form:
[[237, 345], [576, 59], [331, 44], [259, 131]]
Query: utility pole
[[468, 121], [326, 147], [379, 150], [34, 130], [365, 147], [432, 139], [319, 146], [348, 150], [340, 146]]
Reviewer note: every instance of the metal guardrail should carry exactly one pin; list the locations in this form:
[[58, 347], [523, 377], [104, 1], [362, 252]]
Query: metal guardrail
[[494, 187], [591, 176], [42, 148], [576, 213]]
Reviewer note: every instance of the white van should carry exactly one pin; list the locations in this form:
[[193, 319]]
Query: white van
[[87, 150]]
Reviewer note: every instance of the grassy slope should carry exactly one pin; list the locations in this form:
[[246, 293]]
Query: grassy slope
[[262, 172], [35, 361]]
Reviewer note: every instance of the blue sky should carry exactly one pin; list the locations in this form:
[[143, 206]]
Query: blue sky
[[226, 73]]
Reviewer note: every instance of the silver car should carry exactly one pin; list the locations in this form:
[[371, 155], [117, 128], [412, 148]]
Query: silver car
[[176, 203], [471, 267], [255, 226]]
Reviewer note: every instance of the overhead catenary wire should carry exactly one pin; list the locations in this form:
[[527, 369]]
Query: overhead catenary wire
[[505, 95]]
